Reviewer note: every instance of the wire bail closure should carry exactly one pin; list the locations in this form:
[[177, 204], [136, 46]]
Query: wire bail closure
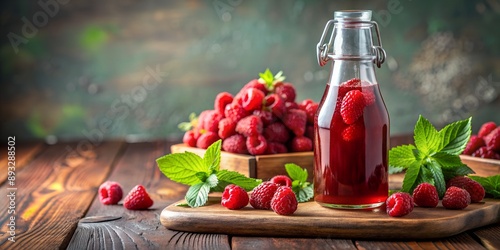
[[323, 49]]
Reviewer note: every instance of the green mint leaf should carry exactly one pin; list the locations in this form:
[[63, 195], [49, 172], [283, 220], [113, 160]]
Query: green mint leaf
[[182, 167], [296, 172], [439, 181], [446, 160], [491, 184], [426, 137], [212, 180], [401, 156], [455, 136], [185, 126], [411, 176], [197, 195], [304, 194], [279, 77], [202, 176], [450, 172], [232, 177], [212, 156], [303, 190], [182, 205], [425, 176], [267, 77]]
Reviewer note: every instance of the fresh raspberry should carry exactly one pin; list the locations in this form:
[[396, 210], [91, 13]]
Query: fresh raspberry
[[486, 128], [425, 195], [353, 132], [353, 84], [206, 139], [296, 120], [369, 97], [202, 118], [275, 104], [235, 144], [291, 105], [492, 140], [256, 145], [399, 204], [235, 111], [286, 91], [474, 188], [265, 116], [234, 197], [262, 195], [190, 138], [255, 83], [210, 121], [485, 152], [311, 112], [110, 193], [284, 201], [137, 199], [249, 126], [276, 132], [276, 148], [456, 198], [304, 103], [227, 127], [475, 142], [282, 180], [252, 99], [221, 101], [352, 107], [301, 144]]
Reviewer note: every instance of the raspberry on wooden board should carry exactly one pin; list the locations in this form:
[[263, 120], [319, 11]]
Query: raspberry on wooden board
[[399, 204], [262, 195]]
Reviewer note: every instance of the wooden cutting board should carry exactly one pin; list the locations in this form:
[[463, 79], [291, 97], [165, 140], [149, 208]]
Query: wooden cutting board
[[312, 220]]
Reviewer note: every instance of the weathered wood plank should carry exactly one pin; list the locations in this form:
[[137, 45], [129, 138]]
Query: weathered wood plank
[[489, 236], [290, 243], [461, 241], [53, 192], [141, 229], [25, 151]]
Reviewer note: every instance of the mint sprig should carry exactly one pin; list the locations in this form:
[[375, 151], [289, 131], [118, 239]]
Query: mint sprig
[[203, 175], [269, 80], [186, 126], [301, 187], [435, 156]]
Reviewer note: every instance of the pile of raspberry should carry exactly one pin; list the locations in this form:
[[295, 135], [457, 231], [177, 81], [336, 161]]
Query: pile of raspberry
[[276, 195], [460, 192], [111, 192], [486, 144], [262, 118]]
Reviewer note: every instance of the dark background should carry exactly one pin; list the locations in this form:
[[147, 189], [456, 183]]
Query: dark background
[[75, 68]]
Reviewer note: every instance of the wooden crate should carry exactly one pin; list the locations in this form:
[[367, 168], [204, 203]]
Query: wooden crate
[[482, 167], [262, 166]]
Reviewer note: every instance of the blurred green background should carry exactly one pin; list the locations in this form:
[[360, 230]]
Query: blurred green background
[[135, 69]]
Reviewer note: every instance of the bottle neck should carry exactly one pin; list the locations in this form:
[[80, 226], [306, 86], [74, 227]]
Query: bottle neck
[[352, 41], [344, 70]]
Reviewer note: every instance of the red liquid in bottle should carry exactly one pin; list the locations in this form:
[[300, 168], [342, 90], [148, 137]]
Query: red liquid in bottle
[[351, 159]]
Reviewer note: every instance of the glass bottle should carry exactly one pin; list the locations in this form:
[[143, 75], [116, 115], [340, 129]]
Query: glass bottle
[[352, 123]]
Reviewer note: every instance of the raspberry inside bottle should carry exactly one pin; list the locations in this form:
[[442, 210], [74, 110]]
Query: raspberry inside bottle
[[352, 123]]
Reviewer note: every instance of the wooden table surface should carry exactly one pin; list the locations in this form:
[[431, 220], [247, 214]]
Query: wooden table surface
[[56, 186]]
